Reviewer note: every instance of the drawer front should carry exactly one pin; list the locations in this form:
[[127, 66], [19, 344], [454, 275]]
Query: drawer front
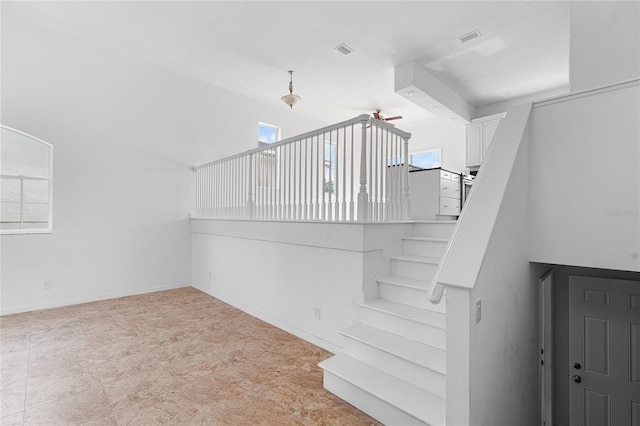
[[449, 206], [449, 188], [449, 175]]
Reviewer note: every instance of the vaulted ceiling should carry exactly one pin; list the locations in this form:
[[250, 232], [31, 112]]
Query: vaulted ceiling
[[248, 47]]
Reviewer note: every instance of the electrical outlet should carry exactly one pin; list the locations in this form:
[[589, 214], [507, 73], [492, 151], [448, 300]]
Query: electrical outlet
[[317, 314], [46, 285], [478, 310]]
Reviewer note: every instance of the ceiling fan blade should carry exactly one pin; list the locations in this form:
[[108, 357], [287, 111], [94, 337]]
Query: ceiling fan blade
[[376, 115], [397, 117]]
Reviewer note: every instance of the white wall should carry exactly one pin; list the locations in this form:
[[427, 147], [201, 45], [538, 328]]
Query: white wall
[[125, 137], [605, 43], [281, 271], [504, 344], [493, 361], [585, 180], [434, 133]]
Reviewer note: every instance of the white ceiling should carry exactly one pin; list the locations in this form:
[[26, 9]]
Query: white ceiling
[[249, 46]]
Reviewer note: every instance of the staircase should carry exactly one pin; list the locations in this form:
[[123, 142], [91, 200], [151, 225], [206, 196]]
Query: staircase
[[393, 363]]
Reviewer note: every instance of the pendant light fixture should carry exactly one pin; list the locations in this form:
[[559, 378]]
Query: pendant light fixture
[[290, 99]]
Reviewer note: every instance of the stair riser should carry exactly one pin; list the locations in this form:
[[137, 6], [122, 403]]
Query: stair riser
[[366, 402], [423, 333], [418, 375], [424, 248], [435, 315], [439, 230], [408, 296], [415, 270]]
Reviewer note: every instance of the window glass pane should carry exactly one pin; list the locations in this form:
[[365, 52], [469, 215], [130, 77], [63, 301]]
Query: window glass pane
[[35, 213], [36, 191], [9, 225], [25, 194], [329, 151], [426, 160], [22, 155], [10, 213], [329, 167], [10, 190], [268, 134]]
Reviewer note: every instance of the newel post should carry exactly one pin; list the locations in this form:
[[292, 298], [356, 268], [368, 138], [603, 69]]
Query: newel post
[[363, 196], [406, 201], [251, 204]]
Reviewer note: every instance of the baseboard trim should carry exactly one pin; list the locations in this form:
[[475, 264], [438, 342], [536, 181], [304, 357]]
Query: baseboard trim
[[78, 301], [334, 349]]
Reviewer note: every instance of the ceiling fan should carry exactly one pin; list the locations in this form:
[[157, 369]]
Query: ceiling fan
[[380, 117]]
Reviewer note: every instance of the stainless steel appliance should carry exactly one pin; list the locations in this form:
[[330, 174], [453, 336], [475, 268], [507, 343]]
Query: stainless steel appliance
[[467, 184]]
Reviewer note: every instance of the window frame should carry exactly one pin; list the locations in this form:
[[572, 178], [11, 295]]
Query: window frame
[[22, 179]]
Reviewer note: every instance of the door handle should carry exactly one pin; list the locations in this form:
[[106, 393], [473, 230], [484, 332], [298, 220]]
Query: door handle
[[576, 378], [577, 365]]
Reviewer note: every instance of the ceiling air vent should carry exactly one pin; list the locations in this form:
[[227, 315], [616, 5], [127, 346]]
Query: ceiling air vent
[[344, 49], [468, 37]]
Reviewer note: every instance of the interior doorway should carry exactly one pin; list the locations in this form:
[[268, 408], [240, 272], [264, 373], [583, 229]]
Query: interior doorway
[[604, 351]]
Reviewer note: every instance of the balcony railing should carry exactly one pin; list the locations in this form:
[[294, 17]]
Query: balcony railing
[[350, 171]]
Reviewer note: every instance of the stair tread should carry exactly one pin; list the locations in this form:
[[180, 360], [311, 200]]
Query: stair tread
[[410, 350], [430, 239], [424, 316], [405, 282], [449, 221], [414, 401], [417, 259]]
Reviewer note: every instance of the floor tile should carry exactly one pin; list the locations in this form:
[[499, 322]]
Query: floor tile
[[171, 357]]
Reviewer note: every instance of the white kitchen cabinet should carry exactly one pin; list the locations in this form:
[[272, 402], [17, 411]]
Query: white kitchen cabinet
[[435, 194], [479, 135]]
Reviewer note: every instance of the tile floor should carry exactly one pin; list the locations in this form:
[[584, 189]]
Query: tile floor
[[175, 357]]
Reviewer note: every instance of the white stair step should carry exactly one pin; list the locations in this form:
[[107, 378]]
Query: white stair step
[[416, 267], [404, 320], [405, 282], [434, 317], [434, 228], [405, 290], [381, 395], [424, 246], [414, 362], [409, 350]]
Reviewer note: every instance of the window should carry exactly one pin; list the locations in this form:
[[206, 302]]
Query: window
[[25, 183], [329, 167], [267, 134], [427, 159]]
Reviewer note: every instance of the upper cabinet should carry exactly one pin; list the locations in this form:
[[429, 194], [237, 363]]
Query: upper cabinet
[[479, 134]]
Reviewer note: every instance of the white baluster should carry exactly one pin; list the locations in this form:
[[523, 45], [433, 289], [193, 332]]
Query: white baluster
[[280, 209], [352, 182], [337, 190], [363, 197], [405, 187], [300, 173], [250, 187], [316, 189]]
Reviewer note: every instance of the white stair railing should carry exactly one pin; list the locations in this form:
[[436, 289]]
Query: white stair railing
[[350, 171]]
